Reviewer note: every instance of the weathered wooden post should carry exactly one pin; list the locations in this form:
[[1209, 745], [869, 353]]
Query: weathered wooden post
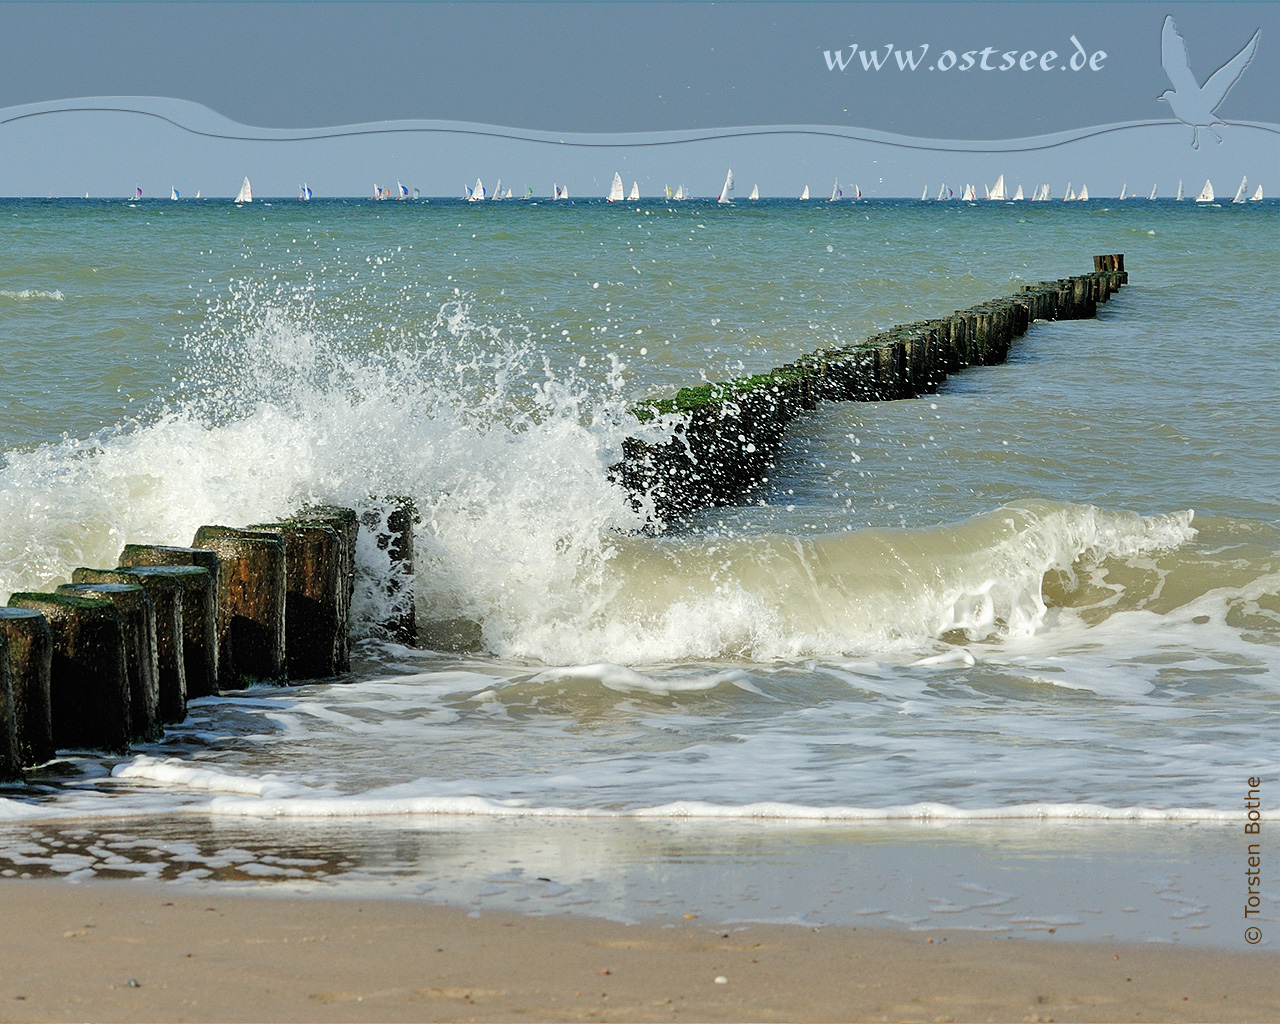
[[10, 762], [196, 571], [166, 598], [88, 679], [347, 523], [251, 603], [30, 647], [314, 591], [138, 620]]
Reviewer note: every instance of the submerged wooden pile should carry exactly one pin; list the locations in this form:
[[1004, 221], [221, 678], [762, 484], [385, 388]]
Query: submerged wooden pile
[[729, 434], [112, 657]]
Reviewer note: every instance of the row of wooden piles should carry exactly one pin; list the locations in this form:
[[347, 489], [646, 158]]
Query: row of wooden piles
[[112, 657], [728, 435]]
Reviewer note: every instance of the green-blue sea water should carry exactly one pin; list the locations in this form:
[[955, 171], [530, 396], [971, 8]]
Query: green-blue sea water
[[1050, 591]]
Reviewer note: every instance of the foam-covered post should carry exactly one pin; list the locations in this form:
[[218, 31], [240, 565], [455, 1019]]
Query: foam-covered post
[[138, 620], [199, 606], [391, 520], [314, 590], [88, 679], [30, 646], [166, 598], [251, 603], [10, 763]]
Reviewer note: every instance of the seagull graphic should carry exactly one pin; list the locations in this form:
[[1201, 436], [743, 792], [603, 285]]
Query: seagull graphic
[[1192, 103]]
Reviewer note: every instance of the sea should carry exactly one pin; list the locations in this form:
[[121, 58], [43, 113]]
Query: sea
[[1005, 657]]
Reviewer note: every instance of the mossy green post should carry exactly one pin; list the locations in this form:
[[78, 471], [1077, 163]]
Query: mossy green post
[[30, 654], [138, 620], [89, 677]]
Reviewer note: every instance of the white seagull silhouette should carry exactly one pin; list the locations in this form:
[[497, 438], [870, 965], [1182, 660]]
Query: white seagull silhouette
[[1191, 102]]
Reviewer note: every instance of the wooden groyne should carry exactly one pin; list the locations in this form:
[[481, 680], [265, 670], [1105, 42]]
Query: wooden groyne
[[113, 656], [110, 658], [727, 435]]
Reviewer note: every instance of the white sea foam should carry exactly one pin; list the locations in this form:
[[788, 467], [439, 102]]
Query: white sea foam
[[32, 294]]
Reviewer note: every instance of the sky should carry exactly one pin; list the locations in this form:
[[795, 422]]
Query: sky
[[100, 97]]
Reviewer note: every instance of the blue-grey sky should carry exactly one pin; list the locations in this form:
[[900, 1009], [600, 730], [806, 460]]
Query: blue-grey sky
[[613, 68]]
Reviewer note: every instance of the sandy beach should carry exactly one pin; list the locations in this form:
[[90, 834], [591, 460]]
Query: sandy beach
[[124, 951]]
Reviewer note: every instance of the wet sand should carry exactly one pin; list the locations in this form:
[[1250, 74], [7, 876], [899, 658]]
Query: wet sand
[[129, 951]]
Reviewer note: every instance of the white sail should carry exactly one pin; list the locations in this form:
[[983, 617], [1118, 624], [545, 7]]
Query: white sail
[[1255, 198], [615, 190], [634, 194], [564, 191], [1153, 193], [1069, 194], [245, 195], [197, 194], [679, 192], [1123, 189], [969, 195], [1206, 193], [497, 191], [925, 194], [1239, 197], [173, 193], [1178, 197], [835, 191], [805, 193], [942, 192], [726, 193], [997, 190], [755, 192], [1084, 192], [1018, 196], [477, 193]]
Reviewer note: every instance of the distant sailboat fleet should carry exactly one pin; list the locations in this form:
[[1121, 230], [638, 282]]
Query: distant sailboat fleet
[[617, 193]]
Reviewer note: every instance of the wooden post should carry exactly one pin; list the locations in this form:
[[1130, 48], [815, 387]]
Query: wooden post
[[196, 571], [88, 679], [314, 597], [138, 620], [30, 647], [347, 523], [10, 762], [166, 598], [251, 604]]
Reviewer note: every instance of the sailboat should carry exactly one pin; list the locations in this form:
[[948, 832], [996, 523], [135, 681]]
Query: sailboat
[[1084, 192], [508, 196], [615, 190], [137, 193], [564, 192], [1255, 198], [969, 194], [1239, 197], [925, 194], [173, 193], [857, 192], [197, 193], [1178, 197], [1152, 197], [1018, 196], [1123, 188], [755, 192], [726, 193], [679, 192], [670, 194], [997, 190], [1206, 193], [497, 191], [477, 193], [1069, 194], [944, 192], [401, 191], [245, 195], [805, 193], [635, 191], [836, 193], [415, 194], [304, 193]]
